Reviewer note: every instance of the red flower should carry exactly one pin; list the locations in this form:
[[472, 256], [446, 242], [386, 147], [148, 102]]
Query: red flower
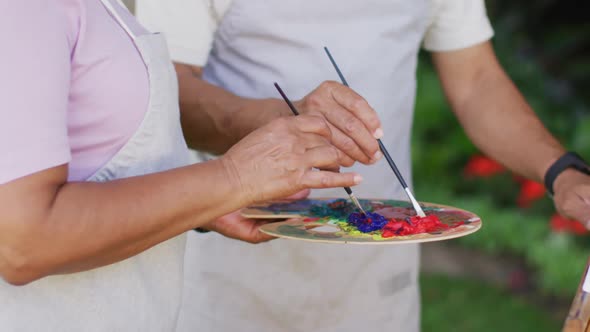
[[519, 179], [530, 191], [560, 224], [482, 166], [578, 228]]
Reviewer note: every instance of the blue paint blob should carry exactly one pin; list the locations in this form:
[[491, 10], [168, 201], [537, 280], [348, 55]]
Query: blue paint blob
[[369, 223]]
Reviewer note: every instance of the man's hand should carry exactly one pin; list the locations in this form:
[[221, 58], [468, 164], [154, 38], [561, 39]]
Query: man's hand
[[572, 195], [354, 124], [234, 226], [214, 119]]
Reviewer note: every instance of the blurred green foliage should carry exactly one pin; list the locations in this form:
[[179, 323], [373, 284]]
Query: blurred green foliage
[[465, 305], [545, 48]]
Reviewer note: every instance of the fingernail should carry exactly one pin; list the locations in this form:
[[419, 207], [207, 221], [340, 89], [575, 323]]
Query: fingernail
[[378, 133], [358, 179], [377, 155]]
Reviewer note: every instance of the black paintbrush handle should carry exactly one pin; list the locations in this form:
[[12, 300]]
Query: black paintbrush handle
[[287, 100], [392, 164], [336, 66]]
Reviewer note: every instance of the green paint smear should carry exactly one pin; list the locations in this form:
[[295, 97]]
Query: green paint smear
[[353, 231]]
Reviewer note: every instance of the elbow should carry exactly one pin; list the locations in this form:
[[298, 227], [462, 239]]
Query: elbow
[[16, 280], [17, 268], [19, 258]]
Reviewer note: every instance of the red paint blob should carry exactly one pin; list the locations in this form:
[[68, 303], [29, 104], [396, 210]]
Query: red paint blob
[[414, 225]]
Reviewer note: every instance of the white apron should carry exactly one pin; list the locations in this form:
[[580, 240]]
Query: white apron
[[288, 285], [142, 293]]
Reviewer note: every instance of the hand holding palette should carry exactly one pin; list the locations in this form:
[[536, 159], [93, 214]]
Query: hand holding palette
[[387, 221]]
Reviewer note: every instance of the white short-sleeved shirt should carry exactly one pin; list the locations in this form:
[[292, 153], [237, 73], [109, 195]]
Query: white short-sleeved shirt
[[244, 48], [190, 25]]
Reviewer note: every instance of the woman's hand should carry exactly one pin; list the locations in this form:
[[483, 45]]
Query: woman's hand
[[276, 160], [237, 227]]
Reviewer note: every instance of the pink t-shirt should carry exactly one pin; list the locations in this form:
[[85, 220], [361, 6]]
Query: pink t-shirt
[[73, 86]]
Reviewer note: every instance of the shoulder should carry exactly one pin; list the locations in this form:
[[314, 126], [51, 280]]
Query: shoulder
[[54, 19]]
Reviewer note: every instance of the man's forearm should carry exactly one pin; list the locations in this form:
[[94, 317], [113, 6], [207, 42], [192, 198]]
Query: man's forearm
[[87, 225], [214, 119], [495, 115], [503, 125]]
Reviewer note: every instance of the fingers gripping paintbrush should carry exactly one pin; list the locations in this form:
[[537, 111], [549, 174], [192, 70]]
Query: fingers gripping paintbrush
[[390, 161], [295, 112]]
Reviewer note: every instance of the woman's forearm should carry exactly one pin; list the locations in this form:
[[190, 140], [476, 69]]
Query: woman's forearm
[[80, 226], [49, 226]]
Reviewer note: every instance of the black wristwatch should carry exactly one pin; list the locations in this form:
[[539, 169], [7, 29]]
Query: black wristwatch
[[568, 160], [201, 230]]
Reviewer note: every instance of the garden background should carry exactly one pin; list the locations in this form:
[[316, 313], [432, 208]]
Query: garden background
[[520, 272]]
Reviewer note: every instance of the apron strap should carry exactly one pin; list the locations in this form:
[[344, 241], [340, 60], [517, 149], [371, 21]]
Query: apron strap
[[111, 9]]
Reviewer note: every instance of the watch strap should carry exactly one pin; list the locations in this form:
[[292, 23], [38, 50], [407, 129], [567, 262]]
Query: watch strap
[[568, 160]]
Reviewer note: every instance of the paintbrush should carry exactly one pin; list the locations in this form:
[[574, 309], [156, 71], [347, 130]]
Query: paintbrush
[[295, 112], [390, 161]]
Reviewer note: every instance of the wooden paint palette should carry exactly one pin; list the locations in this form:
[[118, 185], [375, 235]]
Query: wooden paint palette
[[304, 224], [578, 319]]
